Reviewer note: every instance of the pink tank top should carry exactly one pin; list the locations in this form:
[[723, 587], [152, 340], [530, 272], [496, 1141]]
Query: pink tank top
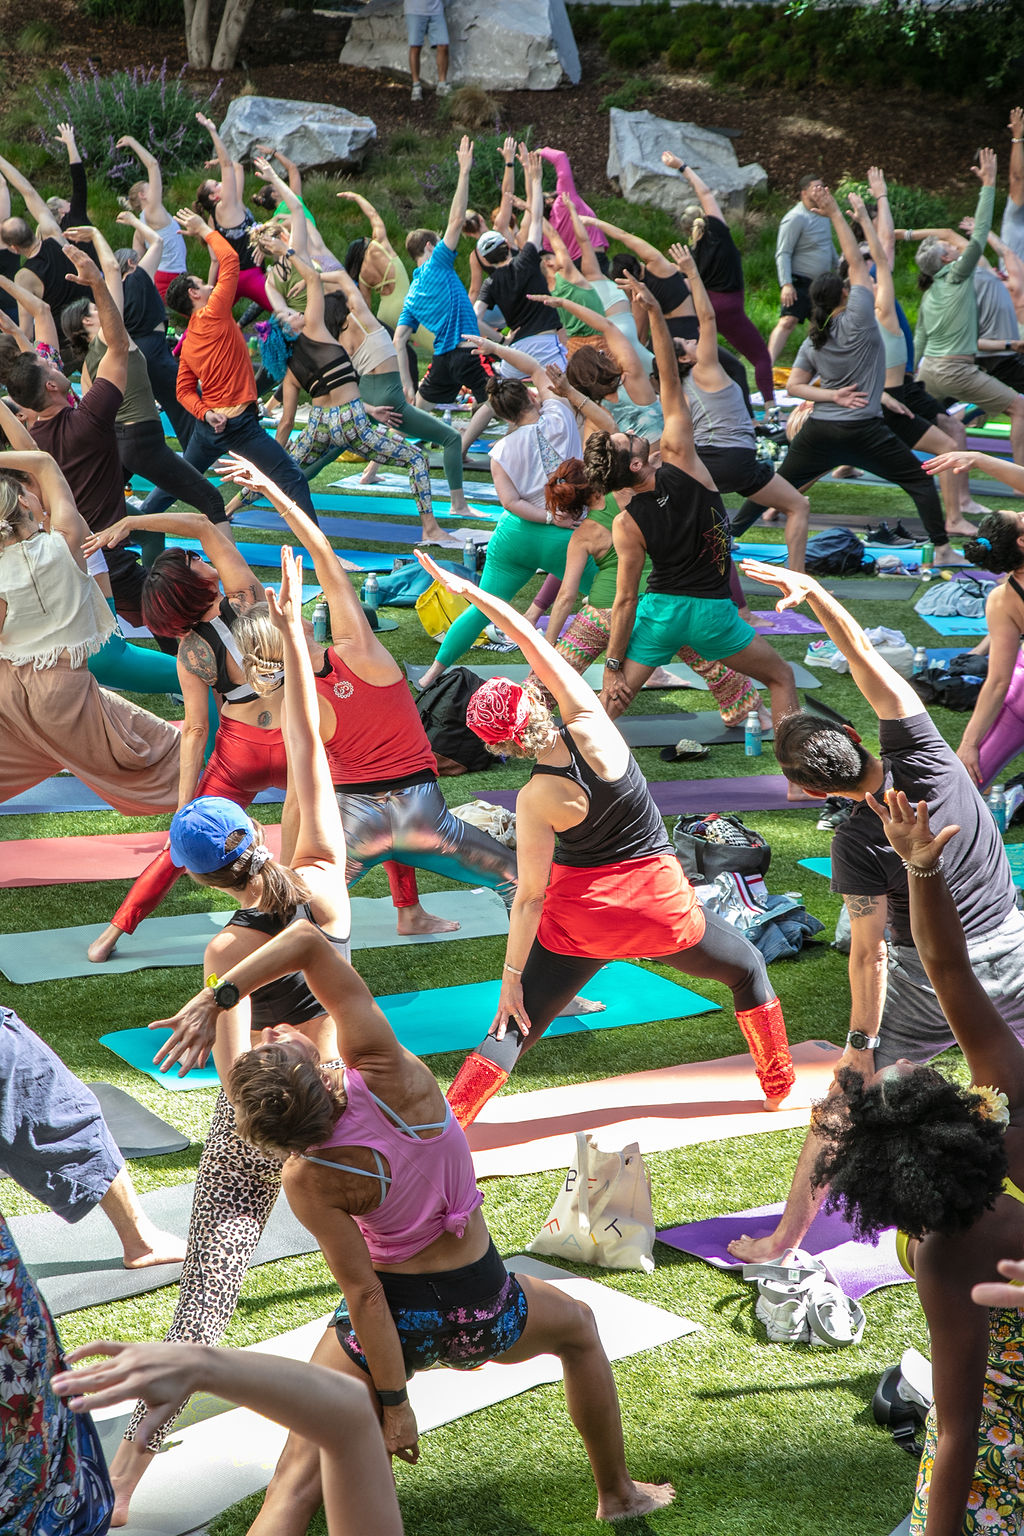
[[432, 1185], [379, 736]]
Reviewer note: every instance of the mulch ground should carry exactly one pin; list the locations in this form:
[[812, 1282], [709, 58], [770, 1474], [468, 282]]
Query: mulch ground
[[922, 141]]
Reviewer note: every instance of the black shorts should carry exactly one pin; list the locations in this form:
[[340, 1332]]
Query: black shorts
[[916, 398], [909, 429], [447, 374], [801, 308], [737, 470]]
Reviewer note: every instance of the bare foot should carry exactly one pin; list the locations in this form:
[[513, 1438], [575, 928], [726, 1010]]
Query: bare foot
[[972, 508], [579, 1005], [846, 472], [369, 474], [759, 1250], [947, 555], [460, 506], [102, 948], [797, 796], [416, 920], [130, 1464], [961, 529], [643, 1499], [765, 717], [771, 516], [437, 535], [153, 1247]]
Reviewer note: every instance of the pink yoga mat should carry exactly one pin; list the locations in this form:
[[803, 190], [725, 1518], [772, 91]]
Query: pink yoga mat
[[857, 1267], [666, 1108], [752, 792], [70, 860]]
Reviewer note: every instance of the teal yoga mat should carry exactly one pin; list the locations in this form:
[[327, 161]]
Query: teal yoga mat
[[341, 503], [955, 626], [1014, 855], [261, 556], [457, 1018], [817, 866]]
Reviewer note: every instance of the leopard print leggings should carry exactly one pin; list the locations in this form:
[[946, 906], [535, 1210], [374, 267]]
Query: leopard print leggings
[[236, 1187]]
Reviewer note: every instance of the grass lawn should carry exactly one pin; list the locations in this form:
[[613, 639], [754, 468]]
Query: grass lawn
[[756, 1437]]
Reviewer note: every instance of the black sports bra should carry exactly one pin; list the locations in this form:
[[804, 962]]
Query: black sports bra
[[287, 1000], [622, 821], [218, 636], [320, 366]]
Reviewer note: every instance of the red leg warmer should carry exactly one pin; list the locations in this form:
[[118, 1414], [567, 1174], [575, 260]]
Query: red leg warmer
[[476, 1081], [764, 1030]]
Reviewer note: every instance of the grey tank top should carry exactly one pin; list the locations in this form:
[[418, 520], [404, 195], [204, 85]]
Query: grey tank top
[[720, 417], [895, 348]]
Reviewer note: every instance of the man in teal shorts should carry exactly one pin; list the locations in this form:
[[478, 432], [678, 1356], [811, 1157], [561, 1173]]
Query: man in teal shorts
[[677, 517]]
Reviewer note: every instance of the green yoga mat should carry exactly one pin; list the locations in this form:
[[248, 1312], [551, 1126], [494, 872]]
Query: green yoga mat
[[457, 1018], [81, 1265], [51, 955]]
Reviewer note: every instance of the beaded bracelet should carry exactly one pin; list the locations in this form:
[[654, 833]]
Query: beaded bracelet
[[923, 874]]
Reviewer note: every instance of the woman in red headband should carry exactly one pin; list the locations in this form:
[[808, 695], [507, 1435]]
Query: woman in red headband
[[598, 880]]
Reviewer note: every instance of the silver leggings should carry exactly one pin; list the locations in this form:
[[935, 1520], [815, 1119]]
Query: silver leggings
[[414, 826]]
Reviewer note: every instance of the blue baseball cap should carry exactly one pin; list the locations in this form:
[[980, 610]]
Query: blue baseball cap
[[199, 832]]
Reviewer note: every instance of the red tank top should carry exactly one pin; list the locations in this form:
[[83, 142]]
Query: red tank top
[[379, 737]]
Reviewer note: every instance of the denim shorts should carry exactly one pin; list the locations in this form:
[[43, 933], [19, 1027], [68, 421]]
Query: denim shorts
[[664, 622], [459, 1317], [418, 27]]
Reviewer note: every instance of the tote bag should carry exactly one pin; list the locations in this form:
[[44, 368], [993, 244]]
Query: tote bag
[[602, 1214]]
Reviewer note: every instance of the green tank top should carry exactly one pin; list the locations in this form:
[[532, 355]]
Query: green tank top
[[602, 588], [138, 403]]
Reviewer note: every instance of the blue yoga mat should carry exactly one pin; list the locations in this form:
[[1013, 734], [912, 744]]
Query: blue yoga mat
[[389, 484], [268, 556], [955, 626], [1014, 855], [769, 554], [457, 1018], [337, 504], [337, 527], [70, 794]]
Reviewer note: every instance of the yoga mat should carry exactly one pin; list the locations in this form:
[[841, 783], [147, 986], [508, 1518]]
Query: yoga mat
[[480, 912], [81, 1265], [406, 535], [857, 1267], [789, 623], [873, 588], [213, 1464], [662, 1109], [54, 954], [388, 505], [665, 730], [137, 1131], [66, 793], [457, 1018], [70, 860], [594, 675], [755, 792], [817, 866], [955, 626], [768, 554], [388, 483]]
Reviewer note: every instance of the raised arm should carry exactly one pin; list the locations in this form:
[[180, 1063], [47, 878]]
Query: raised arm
[[858, 269], [503, 214], [149, 236], [519, 360], [460, 199], [879, 190], [890, 696], [231, 206], [114, 367], [378, 229], [299, 230], [708, 371], [1016, 126], [291, 170], [535, 198], [157, 216], [236, 576], [705, 196], [648, 253], [885, 289], [563, 261], [963, 268], [46, 225], [677, 433], [961, 463], [588, 262], [43, 323], [88, 234], [54, 491]]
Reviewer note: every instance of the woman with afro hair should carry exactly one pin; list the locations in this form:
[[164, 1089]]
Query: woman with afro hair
[[945, 1164], [995, 731]]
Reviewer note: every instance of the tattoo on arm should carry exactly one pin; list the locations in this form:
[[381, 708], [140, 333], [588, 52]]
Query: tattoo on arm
[[861, 906], [198, 658], [245, 597]]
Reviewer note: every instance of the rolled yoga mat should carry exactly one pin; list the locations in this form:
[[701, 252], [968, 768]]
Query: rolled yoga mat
[[457, 1018], [857, 1267], [662, 1109], [673, 797], [50, 955], [212, 1464], [81, 1265], [137, 1131]]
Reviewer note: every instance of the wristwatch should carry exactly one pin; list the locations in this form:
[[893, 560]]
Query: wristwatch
[[612, 664], [394, 1399], [225, 993], [857, 1040]]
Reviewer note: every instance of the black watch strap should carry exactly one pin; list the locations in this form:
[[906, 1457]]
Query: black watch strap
[[394, 1399]]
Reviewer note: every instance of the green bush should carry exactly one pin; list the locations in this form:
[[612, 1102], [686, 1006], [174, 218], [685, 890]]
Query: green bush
[[157, 109], [629, 94], [137, 13]]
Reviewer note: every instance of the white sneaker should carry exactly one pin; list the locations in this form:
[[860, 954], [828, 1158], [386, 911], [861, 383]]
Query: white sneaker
[[417, 91], [443, 88]]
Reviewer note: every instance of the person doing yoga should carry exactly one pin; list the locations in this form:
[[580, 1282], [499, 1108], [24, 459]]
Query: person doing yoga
[[944, 1164], [994, 734], [237, 1185], [223, 201], [379, 1170], [597, 876], [145, 199], [844, 351]]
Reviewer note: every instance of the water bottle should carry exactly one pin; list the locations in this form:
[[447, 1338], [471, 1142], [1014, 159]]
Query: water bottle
[[469, 556], [321, 614], [997, 805], [920, 659], [371, 592], [752, 734]]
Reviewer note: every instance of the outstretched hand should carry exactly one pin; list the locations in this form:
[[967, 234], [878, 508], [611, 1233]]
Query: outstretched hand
[[985, 170], [86, 272], [163, 1375], [795, 586], [458, 586], [992, 1294], [286, 606], [876, 182], [242, 472], [959, 462], [639, 291], [193, 1032], [683, 258], [908, 831]]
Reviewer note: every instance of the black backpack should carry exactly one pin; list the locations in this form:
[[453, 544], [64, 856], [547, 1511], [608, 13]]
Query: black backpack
[[953, 684], [838, 552], [442, 708]]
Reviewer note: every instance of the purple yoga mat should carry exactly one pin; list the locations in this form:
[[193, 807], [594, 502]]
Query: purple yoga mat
[[856, 1267], [788, 623], [755, 792]]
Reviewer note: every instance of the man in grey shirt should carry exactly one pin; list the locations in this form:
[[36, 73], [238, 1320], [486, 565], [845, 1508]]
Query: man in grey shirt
[[998, 328], [803, 250]]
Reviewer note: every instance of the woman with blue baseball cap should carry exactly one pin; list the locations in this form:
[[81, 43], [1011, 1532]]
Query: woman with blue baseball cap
[[219, 845]]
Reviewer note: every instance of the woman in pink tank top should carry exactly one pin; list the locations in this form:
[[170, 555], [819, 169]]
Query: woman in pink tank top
[[380, 1172]]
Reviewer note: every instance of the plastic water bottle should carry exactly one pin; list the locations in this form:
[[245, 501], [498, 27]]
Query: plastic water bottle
[[321, 615], [752, 734], [920, 659], [371, 592], [469, 556], [997, 805]]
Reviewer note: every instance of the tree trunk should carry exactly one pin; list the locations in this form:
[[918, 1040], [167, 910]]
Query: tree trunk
[[229, 36], [197, 33]]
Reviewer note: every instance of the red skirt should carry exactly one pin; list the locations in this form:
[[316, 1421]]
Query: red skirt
[[639, 908]]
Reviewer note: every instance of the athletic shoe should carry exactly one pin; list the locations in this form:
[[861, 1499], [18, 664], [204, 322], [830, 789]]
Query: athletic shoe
[[835, 811], [443, 88], [417, 92], [904, 533], [827, 655], [883, 534]]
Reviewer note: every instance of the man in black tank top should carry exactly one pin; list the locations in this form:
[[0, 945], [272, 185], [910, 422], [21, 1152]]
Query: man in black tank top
[[675, 515], [45, 269]]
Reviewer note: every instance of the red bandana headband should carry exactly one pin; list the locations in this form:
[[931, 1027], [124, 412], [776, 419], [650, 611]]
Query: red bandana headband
[[499, 711]]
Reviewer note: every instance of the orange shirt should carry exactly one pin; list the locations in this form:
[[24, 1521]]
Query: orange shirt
[[214, 353]]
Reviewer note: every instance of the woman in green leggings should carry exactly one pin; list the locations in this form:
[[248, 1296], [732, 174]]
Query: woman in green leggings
[[543, 433]]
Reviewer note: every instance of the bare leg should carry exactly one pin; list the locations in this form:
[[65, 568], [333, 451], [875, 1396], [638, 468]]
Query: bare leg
[[802, 1205], [441, 56], [964, 503], [796, 509], [144, 1244], [1016, 415], [414, 64], [780, 335], [558, 1325], [763, 663], [480, 418]]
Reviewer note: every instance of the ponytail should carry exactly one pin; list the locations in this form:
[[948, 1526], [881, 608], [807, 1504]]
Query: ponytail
[[826, 297]]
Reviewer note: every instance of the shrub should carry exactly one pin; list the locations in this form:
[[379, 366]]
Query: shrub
[[156, 109], [471, 108], [137, 13], [629, 94], [36, 38]]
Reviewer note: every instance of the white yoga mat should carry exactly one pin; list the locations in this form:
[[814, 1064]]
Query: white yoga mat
[[213, 1464]]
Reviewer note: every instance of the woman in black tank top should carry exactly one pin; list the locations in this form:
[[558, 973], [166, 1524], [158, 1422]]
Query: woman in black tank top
[[237, 1186], [597, 877]]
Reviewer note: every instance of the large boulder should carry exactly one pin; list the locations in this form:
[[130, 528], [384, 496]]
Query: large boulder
[[505, 45], [314, 135], [636, 140]]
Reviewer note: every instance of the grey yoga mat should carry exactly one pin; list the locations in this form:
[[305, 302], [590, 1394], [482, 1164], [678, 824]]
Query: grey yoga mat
[[136, 1129], [666, 730], [879, 589], [81, 1265], [518, 673]]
